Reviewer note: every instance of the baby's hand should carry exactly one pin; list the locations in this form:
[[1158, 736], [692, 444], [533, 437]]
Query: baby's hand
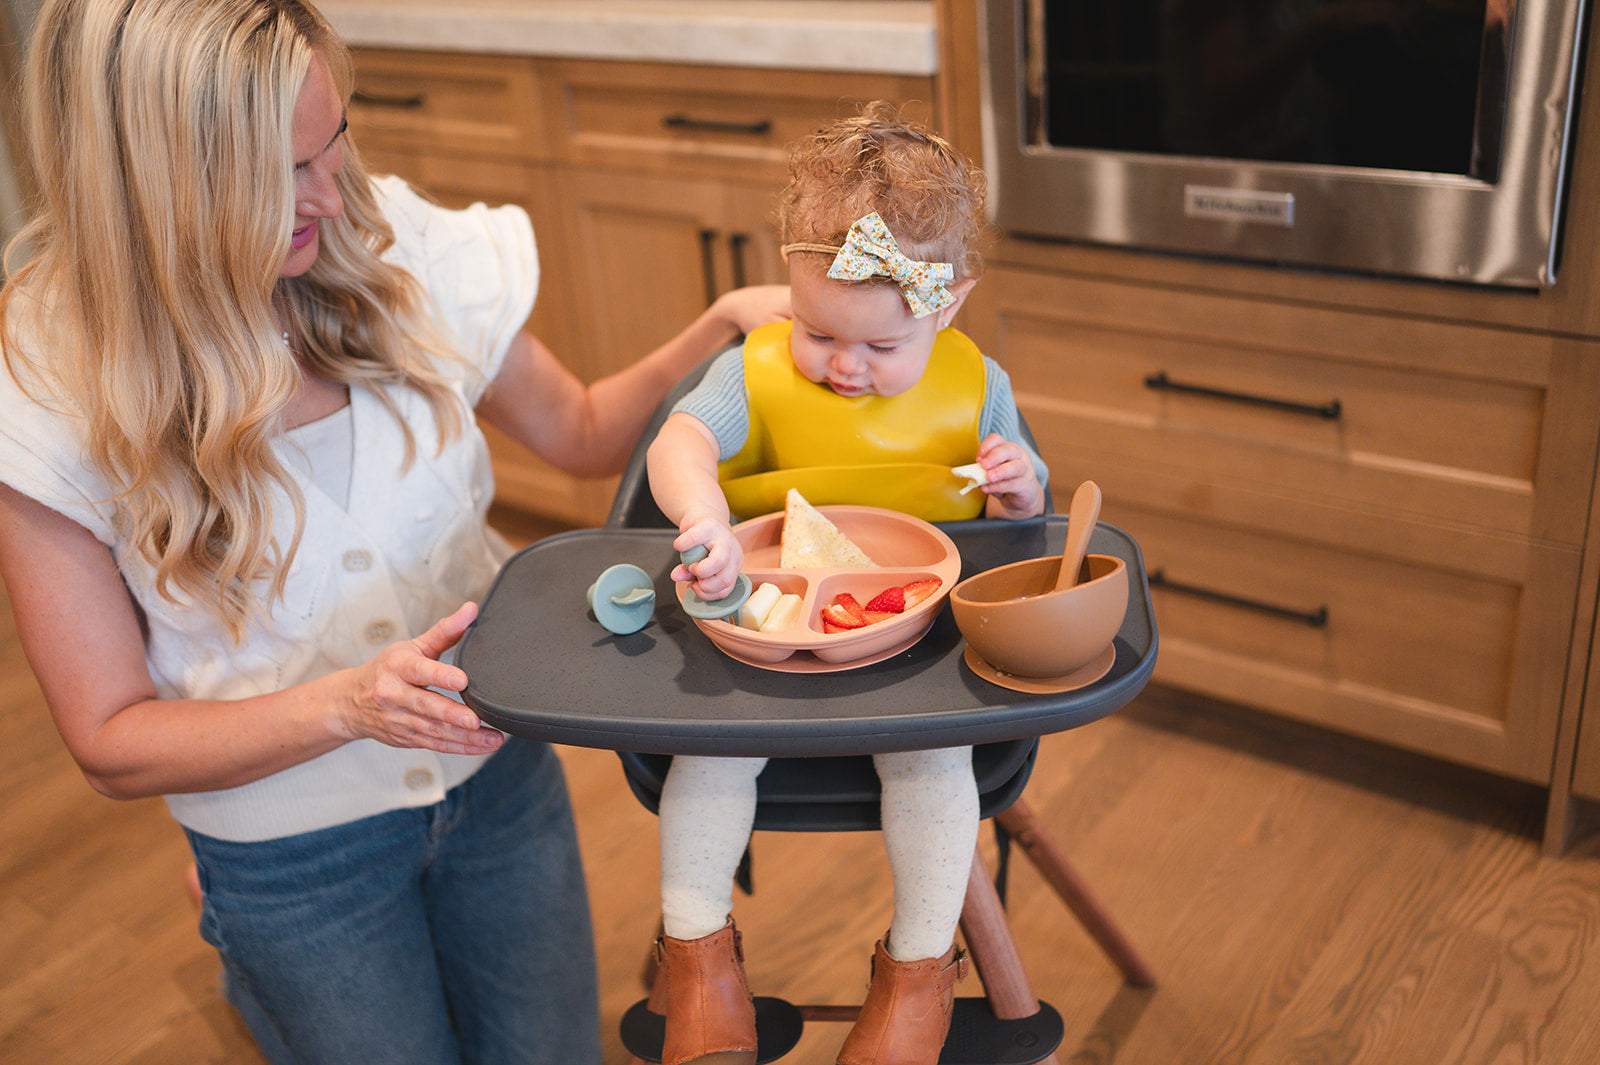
[[712, 577], [1012, 486]]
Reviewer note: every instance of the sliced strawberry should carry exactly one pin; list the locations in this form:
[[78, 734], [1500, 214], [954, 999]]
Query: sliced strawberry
[[888, 601], [875, 616], [840, 614], [830, 627], [917, 591], [848, 601]]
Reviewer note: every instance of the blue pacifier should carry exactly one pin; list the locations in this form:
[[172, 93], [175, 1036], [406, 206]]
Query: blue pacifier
[[623, 598], [713, 609]]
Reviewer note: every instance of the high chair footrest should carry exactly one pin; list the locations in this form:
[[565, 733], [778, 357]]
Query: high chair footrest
[[778, 1025], [978, 1037]]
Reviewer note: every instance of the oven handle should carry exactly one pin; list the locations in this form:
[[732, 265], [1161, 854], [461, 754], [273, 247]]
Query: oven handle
[[1160, 382]]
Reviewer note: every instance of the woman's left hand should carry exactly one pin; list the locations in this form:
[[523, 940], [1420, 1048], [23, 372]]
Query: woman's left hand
[[390, 698]]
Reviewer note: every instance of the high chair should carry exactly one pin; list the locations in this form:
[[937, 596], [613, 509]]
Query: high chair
[[832, 794]]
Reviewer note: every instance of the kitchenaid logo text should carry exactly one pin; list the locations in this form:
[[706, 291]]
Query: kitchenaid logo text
[[1239, 205]]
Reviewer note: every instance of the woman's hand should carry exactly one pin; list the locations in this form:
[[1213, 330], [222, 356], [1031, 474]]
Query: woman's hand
[[1013, 488], [714, 576], [754, 305], [388, 699]]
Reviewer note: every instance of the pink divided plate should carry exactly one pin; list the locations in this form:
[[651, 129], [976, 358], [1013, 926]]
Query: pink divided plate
[[906, 549]]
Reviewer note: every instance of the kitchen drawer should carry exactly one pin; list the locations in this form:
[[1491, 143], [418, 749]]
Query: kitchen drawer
[[1431, 658], [480, 104], [703, 120], [1229, 402]]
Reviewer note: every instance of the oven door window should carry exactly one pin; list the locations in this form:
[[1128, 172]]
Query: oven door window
[[1415, 85]]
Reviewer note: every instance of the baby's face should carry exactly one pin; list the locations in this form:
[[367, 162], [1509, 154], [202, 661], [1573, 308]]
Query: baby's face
[[858, 339]]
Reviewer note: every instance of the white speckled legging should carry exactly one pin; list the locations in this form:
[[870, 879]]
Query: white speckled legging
[[930, 827]]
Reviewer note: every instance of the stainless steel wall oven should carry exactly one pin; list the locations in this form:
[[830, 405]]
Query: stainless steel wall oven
[[1415, 138]]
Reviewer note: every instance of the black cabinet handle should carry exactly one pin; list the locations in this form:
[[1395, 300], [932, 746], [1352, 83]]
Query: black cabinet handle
[[403, 103], [1317, 619], [1160, 382], [736, 246], [708, 265], [756, 128]]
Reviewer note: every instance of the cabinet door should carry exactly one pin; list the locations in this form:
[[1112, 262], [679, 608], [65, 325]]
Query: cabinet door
[[649, 253]]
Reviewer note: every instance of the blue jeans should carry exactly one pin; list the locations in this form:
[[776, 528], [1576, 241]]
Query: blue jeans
[[454, 933]]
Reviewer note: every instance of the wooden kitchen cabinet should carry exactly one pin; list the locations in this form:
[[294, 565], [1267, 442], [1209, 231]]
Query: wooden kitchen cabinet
[[651, 252], [1352, 520], [448, 103], [650, 185]]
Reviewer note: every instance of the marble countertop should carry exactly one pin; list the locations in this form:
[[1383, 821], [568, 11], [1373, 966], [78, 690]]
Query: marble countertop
[[882, 36]]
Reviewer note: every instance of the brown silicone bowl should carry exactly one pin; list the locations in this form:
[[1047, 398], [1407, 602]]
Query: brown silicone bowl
[[1013, 617]]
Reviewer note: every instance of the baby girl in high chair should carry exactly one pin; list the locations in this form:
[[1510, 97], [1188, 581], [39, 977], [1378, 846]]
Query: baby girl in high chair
[[880, 220]]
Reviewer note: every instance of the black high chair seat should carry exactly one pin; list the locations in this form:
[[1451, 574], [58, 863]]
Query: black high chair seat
[[841, 793]]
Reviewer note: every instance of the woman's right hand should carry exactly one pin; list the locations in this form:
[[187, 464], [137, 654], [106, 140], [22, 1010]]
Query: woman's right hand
[[388, 699], [753, 306]]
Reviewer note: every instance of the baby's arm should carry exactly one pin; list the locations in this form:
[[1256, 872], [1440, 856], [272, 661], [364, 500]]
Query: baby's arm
[[1013, 487], [683, 479]]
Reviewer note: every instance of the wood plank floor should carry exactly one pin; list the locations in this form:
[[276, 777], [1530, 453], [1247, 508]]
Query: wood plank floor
[[1303, 899]]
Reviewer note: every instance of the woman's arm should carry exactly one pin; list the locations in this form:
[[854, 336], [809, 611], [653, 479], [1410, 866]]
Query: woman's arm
[[591, 430], [80, 631]]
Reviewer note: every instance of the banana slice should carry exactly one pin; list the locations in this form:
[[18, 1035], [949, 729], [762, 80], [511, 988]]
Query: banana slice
[[785, 614], [758, 606]]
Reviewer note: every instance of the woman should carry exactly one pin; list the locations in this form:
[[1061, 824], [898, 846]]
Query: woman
[[243, 517]]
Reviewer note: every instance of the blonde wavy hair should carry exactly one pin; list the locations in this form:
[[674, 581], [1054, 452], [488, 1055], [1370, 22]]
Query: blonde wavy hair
[[930, 195], [161, 142]]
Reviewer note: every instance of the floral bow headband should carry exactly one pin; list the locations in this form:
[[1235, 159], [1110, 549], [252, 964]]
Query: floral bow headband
[[870, 251]]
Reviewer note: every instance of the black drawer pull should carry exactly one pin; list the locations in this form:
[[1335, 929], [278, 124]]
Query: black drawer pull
[[1317, 619], [708, 265], [759, 127], [736, 246], [413, 102], [1160, 382]]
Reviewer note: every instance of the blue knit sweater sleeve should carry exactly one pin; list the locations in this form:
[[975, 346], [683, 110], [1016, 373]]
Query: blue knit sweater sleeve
[[719, 401]]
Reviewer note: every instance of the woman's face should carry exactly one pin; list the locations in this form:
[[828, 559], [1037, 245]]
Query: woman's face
[[318, 142]]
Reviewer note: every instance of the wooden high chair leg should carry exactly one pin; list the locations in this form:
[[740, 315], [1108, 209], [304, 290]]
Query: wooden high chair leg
[[1029, 833], [994, 951]]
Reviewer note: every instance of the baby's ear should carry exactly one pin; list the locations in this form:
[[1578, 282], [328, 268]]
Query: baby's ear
[[959, 290]]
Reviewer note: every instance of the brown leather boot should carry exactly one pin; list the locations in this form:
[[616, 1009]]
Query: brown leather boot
[[710, 1018], [906, 1016]]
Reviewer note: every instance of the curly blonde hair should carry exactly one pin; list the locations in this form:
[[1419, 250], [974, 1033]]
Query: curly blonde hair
[[930, 195], [161, 142]]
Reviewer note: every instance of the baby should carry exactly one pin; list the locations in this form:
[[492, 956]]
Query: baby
[[865, 397]]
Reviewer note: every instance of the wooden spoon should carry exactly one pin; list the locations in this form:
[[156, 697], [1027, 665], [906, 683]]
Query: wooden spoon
[[1081, 521]]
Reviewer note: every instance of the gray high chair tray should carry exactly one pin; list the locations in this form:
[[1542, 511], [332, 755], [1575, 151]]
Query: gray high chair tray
[[541, 666]]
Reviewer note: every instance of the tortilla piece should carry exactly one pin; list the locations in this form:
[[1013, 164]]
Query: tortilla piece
[[811, 541]]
